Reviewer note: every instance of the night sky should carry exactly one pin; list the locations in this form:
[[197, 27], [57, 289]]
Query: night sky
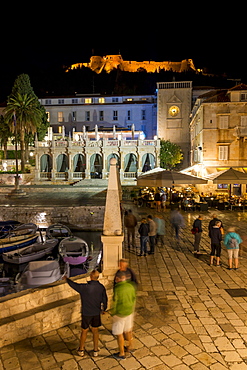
[[39, 39]]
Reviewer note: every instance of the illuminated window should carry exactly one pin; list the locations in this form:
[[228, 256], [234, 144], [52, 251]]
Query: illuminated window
[[101, 100], [88, 100], [60, 129], [129, 99], [48, 115], [223, 153], [60, 116]]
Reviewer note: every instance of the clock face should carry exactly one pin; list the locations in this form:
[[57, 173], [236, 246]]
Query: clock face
[[174, 110]]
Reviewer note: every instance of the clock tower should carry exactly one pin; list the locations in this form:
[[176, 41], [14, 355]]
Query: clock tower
[[174, 107]]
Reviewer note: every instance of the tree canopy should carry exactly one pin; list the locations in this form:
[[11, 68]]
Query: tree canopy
[[170, 154], [24, 114]]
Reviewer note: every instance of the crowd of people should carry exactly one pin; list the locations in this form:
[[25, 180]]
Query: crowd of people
[[152, 231], [93, 294]]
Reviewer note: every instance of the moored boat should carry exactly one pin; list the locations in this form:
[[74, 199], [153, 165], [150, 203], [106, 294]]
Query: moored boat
[[58, 231], [18, 231], [10, 244], [73, 250], [30, 253], [39, 273]]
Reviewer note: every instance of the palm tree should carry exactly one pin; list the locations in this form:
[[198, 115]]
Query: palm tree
[[4, 135], [28, 116]]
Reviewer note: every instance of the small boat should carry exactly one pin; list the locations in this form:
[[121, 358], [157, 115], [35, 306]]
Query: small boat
[[74, 250], [39, 273], [10, 244], [6, 226], [58, 231], [30, 253], [18, 231]]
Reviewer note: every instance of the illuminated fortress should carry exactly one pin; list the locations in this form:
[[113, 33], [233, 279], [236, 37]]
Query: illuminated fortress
[[109, 62]]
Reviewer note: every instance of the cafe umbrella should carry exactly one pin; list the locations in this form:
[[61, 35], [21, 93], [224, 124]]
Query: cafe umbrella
[[230, 176], [159, 177]]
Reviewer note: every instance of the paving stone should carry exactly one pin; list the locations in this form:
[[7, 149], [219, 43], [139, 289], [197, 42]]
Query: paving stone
[[231, 356], [149, 341], [223, 344], [205, 358], [189, 360], [171, 360], [150, 361]]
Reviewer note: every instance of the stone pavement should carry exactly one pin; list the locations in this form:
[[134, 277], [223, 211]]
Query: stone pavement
[[185, 319]]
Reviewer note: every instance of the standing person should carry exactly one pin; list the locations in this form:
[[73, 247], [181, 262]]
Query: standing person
[[124, 298], [177, 221], [216, 238], [212, 223], [130, 223], [129, 273], [198, 234], [152, 233], [232, 241], [160, 230], [163, 200], [143, 231], [157, 199], [93, 297]]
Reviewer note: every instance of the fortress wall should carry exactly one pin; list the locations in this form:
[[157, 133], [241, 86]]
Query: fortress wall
[[109, 62]]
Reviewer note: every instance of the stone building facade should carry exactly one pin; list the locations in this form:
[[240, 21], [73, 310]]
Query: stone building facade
[[73, 160], [121, 111], [218, 130], [174, 107]]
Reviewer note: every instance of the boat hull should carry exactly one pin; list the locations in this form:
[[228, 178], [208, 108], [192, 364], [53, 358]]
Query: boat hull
[[30, 253], [20, 243]]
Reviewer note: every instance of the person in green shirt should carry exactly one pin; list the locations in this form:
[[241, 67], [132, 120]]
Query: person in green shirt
[[124, 299]]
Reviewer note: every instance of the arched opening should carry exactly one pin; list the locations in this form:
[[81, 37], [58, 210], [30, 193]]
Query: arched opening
[[96, 165], [130, 163], [62, 163], [112, 155], [45, 163], [79, 163], [148, 162]]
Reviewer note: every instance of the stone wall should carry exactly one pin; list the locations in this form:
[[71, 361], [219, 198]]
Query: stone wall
[[87, 217], [37, 311]]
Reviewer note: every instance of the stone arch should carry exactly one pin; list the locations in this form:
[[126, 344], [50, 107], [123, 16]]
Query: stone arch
[[113, 155], [148, 162], [130, 163], [45, 163], [79, 163], [62, 163], [96, 166]]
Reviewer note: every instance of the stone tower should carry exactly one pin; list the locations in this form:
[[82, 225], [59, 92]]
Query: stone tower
[[174, 107]]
